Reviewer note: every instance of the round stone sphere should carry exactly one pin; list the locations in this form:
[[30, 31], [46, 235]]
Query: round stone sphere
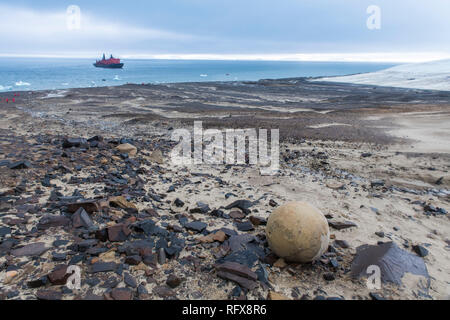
[[298, 232]]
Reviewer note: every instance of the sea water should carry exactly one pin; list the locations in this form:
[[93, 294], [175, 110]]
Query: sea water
[[19, 74]]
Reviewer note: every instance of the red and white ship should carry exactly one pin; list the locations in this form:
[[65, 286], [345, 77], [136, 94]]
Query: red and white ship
[[112, 63]]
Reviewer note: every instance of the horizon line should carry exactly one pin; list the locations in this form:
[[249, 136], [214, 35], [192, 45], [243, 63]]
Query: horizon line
[[377, 57]]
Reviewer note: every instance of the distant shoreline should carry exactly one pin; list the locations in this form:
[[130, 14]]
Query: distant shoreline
[[242, 82]]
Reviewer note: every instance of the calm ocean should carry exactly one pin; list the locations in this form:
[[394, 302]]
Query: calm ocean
[[18, 74]]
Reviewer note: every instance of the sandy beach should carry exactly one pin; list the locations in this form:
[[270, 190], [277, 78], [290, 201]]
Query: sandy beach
[[374, 160]]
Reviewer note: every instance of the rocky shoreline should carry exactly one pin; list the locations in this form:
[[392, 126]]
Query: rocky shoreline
[[86, 180]]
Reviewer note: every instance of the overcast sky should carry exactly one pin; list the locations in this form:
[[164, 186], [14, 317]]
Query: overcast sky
[[283, 29]]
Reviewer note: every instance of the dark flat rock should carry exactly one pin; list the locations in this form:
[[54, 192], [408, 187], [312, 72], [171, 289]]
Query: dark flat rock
[[56, 256], [82, 219], [5, 163], [4, 231], [48, 295], [85, 244], [6, 245], [329, 276], [257, 221], [238, 269], [110, 283], [376, 183], [244, 249], [178, 203], [340, 225], [150, 228], [95, 251], [121, 294], [74, 142], [376, 296], [20, 165], [150, 259], [103, 267], [129, 280], [133, 260], [90, 206], [201, 208], [138, 247], [273, 203], [342, 243], [243, 282], [173, 281], [420, 250], [197, 226], [90, 296], [244, 205], [245, 226], [237, 214], [118, 233], [163, 291], [59, 275], [50, 221], [393, 262], [42, 281], [33, 249]]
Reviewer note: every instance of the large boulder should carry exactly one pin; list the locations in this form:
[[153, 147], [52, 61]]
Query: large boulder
[[298, 232]]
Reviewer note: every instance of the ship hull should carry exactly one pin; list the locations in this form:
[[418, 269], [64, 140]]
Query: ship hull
[[109, 66]]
